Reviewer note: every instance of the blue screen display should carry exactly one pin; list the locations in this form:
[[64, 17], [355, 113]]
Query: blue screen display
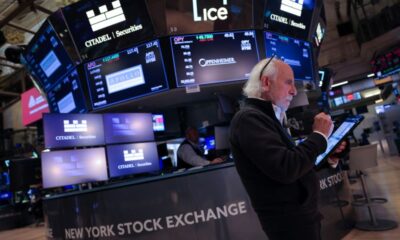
[[46, 57], [60, 168], [72, 130], [292, 51], [129, 74], [66, 96], [213, 57], [132, 158], [128, 127]]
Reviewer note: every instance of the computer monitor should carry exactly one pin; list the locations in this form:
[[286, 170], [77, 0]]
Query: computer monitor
[[46, 59], [158, 123], [128, 127], [72, 130], [221, 134], [291, 18], [213, 57], [296, 53], [66, 96], [132, 158], [60, 168], [98, 27], [126, 75]]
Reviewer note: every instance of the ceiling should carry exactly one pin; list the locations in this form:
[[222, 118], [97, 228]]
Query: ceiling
[[20, 19]]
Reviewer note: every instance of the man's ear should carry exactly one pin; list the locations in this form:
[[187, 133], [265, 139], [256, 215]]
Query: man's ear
[[265, 83]]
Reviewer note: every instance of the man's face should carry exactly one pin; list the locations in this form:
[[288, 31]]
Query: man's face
[[193, 135], [281, 91]]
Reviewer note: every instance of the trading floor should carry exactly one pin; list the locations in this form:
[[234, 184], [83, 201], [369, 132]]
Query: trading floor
[[383, 181]]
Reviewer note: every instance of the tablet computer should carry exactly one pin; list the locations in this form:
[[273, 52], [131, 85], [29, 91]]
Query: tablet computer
[[338, 135]]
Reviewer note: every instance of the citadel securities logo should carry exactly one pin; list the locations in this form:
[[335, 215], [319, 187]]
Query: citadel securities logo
[[294, 7], [106, 17], [133, 155], [210, 14], [215, 62], [75, 126]]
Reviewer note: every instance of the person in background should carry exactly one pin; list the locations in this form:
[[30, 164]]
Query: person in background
[[190, 154], [278, 175]]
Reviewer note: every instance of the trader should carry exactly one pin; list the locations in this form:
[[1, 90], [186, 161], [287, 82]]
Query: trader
[[277, 174], [189, 152]]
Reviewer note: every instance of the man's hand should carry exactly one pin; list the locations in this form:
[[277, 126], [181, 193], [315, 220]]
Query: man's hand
[[323, 124], [216, 160], [333, 160]]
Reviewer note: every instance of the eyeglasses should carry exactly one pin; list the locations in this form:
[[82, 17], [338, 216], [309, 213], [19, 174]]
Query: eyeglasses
[[266, 65]]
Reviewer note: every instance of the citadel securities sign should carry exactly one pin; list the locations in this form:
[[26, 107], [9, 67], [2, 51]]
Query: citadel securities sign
[[169, 207]]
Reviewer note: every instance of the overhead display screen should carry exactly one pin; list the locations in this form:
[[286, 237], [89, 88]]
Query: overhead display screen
[[128, 127], [290, 17], [213, 57], [67, 96], [207, 16], [126, 75], [387, 64], [33, 105], [132, 158], [292, 51], [60, 168], [46, 57], [99, 27], [73, 130]]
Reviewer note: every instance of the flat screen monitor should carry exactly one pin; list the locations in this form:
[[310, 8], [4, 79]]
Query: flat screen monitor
[[66, 96], [60, 168], [33, 105], [128, 127], [46, 58], [338, 136], [221, 137], [208, 144], [213, 57], [207, 16], [158, 123], [99, 27], [387, 63], [132, 158], [72, 130], [126, 75], [289, 17], [295, 52]]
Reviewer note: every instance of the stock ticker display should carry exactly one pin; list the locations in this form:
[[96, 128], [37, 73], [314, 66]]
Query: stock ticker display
[[126, 75], [213, 57]]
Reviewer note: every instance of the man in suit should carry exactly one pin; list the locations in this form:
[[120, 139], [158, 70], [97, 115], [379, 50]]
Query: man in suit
[[277, 174]]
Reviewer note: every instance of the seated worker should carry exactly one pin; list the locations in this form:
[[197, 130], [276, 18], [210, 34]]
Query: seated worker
[[190, 153]]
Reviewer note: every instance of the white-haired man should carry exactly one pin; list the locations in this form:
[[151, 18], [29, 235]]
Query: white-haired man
[[277, 174]]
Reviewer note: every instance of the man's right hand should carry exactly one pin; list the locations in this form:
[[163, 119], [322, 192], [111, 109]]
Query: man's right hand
[[323, 124], [216, 160]]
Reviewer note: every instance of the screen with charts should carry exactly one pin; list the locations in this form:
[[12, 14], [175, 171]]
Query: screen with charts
[[99, 27], [128, 127], [132, 158], [213, 57], [129, 74], [72, 130], [66, 96], [46, 58], [60, 168], [338, 135], [296, 53]]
